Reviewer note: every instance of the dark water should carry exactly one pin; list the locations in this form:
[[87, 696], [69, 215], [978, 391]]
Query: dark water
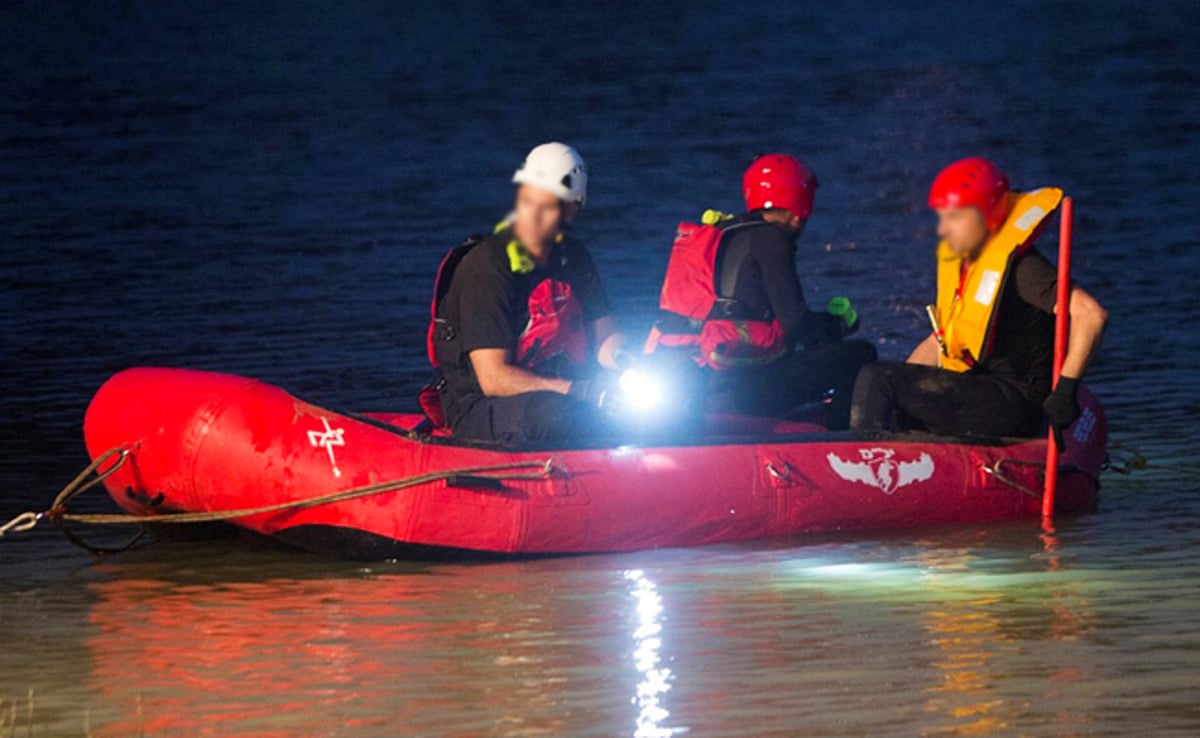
[[267, 191]]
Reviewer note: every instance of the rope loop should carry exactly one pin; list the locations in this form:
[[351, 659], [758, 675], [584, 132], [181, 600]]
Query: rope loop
[[23, 522]]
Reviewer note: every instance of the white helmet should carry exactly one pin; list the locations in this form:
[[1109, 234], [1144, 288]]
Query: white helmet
[[555, 167]]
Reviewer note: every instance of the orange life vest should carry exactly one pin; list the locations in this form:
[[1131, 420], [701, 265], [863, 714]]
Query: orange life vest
[[969, 293]]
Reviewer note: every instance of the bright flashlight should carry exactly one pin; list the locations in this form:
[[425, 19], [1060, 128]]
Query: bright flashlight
[[642, 391]]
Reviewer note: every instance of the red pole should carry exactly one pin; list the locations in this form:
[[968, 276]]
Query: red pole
[[1061, 316]]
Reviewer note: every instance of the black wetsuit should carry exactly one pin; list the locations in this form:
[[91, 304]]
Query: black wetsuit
[[756, 267], [487, 306], [1001, 397]]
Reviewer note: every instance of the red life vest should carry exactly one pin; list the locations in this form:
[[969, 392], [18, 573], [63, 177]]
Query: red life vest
[[554, 335], [553, 340], [700, 320]]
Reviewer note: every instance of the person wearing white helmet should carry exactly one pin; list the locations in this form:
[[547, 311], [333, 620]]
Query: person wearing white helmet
[[522, 328], [556, 168]]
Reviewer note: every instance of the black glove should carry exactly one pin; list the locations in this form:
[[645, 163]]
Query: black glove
[[596, 391], [1062, 408]]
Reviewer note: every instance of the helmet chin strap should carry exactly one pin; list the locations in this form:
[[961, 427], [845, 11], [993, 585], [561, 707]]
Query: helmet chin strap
[[976, 251]]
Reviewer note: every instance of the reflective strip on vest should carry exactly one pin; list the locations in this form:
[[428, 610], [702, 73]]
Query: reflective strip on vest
[[968, 294]]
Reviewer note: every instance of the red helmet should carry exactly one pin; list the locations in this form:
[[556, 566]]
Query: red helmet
[[975, 183], [779, 181]]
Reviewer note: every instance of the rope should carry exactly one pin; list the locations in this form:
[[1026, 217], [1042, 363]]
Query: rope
[[996, 471], [23, 522], [1125, 458], [84, 481], [29, 520]]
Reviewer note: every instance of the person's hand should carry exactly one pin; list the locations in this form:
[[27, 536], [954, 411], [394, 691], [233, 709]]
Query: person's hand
[[597, 391], [622, 393], [623, 359], [1062, 408], [842, 308]]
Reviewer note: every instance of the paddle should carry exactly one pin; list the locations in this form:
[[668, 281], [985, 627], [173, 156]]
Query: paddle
[[1061, 317]]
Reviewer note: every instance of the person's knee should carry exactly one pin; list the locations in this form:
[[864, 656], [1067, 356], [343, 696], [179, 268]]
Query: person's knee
[[872, 377], [858, 356], [550, 416], [872, 399]]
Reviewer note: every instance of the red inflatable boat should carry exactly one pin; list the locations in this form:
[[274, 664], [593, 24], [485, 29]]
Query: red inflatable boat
[[212, 442]]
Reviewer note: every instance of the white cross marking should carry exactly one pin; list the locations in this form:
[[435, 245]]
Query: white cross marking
[[327, 439]]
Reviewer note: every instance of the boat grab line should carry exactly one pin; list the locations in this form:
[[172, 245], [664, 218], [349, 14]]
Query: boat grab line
[[57, 513]]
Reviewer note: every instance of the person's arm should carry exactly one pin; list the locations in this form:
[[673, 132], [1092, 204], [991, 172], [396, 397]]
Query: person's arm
[[608, 340], [604, 337], [777, 263], [780, 283], [498, 377], [1088, 319], [1037, 283], [926, 352], [488, 302]]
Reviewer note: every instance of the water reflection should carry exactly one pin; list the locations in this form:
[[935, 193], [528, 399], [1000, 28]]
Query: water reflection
[[443, 651], [939, 637], [367, 655], [999, 645], [968, 638], [981, 625], [655, 679]]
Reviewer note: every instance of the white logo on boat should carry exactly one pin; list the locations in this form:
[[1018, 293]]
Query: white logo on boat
[[879, 469], [327, 439]]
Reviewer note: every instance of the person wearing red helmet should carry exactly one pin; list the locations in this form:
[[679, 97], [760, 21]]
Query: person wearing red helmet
[[985, 369], [732, 302]]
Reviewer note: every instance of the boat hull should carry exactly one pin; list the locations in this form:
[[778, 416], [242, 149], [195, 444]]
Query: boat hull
[[213, 442]]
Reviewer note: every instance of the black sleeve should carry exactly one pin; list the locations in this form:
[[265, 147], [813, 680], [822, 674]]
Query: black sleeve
[[486, 303], [777, 262], [585, 281], [1037, 281]]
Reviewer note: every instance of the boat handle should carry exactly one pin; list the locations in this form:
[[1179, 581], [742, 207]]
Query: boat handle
[[996, 471], [783, 475]]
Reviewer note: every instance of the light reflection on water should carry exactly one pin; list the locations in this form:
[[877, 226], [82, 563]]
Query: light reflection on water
[[964, 632], [648, 641]]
